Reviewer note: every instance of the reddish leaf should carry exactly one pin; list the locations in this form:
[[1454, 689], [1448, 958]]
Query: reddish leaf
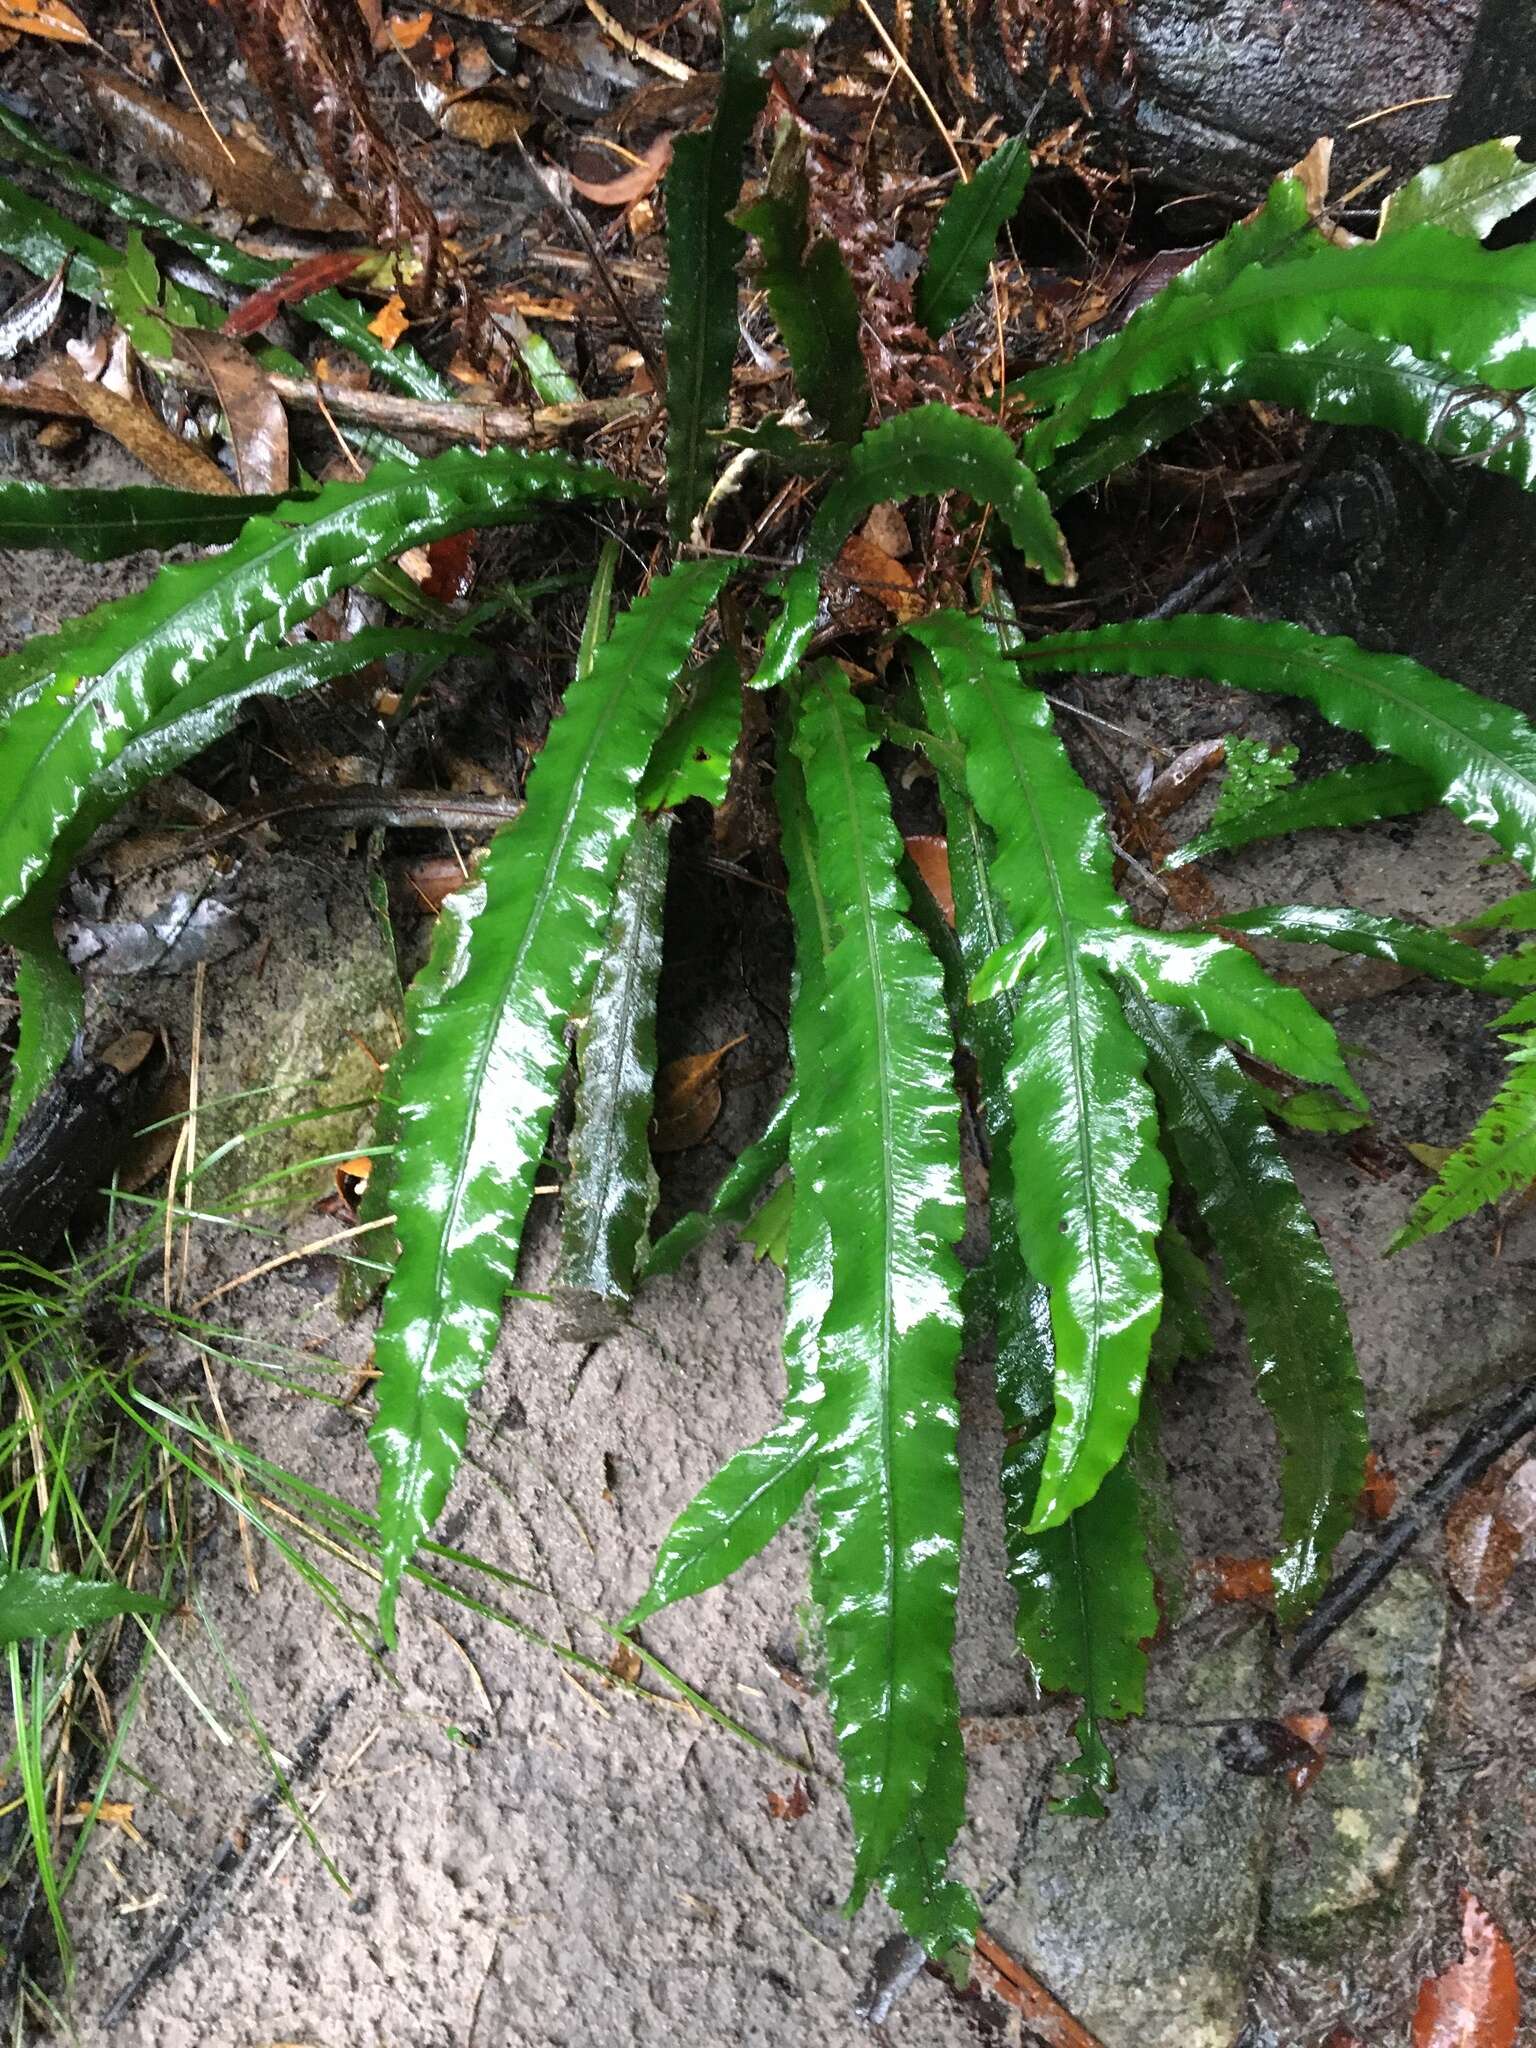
[[451, 567], [1226, 1580], [929, 853], [629, 185], [314, 274], [1379, 1495], [1314, 1730], [1474, 2003], [870, 569]]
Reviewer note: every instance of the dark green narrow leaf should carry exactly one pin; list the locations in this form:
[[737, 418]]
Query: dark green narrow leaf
[[704, 247], [735, 1200], [1470, 193], [790, 635], [1278, 1270], [961, 250], [1090, 1184], [98, 526], [39, 1603], [52, 1010], [810, 294], [693, 755], [514, 958], [930, 449], [1357, 795], [1480, 756], [750, 1499], [610, 1190], [1086, 1601], [1377, 938], [74, 700], [875, 1140]]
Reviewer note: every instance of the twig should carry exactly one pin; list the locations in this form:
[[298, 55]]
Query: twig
[[1212, 581], [550, 187], [344, 809], [440, 417], [304, 1251], [647, 53], [1480, 1447]]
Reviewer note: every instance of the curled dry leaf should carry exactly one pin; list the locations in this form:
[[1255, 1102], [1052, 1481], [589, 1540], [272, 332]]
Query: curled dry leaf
[[688, 1099], [50, 19], [1474, 2003], [242, 175], [253, 412], [879, 575], [630, 185], [433, 881], [929, 852], [1262, 1748]]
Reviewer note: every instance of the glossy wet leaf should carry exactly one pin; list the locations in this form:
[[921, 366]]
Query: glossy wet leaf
[[1276, 1266], [810, 294], [931, 449], [52, 1006], [1392, 939], [1496, 1158], [1479, 755], [693, 755], [1470, 192], [100, 525], [42, 1603], [1357, 795], [1441, 295], [880, 1151], [514, 958], [734, 1201], [965, 236], [73, 700], [610, 1189]]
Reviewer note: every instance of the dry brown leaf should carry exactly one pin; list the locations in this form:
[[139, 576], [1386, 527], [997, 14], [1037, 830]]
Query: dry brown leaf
[[243, 176], [791, 1806], [253, 412], [405, 31], [391, 320], [929, 853], [48, 18], [688, 1099], [625, 1664], [1378, 1497], [140, 432], [112, 1813], [879, 575], [434, 879], [514, 301], [314, 274], [1313, 1729], [632, 184], [1474, 2003], [887, 529], [1485, 1536]]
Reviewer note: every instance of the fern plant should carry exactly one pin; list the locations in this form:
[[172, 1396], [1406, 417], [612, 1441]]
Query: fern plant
[[1104, 1050]]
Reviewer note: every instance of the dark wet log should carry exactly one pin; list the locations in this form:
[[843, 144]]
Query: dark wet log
[[70, 1142]]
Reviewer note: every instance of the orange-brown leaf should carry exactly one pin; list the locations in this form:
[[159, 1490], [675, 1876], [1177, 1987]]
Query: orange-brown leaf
[[879, 575], [141, 432], [1474, 2003], [48, 18], [1485, 1535], [688, 1099], [391, 320], [405, 31], [1379, 1495], [1313, 1729], [1227, 1580], [253, 412], [794, 1805], [629, 185], [314, 274], [929, 853]]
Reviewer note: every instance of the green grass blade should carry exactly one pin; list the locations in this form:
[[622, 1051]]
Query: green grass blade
[[1090, 1184], [931, 449], [74, 700], [610, 1189], [1480, 756], [515, 957], [960, 253], [1278, 1269], [877, 1144]]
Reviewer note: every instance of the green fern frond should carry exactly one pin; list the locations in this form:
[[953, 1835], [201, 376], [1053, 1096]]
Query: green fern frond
[[1497, 1157]]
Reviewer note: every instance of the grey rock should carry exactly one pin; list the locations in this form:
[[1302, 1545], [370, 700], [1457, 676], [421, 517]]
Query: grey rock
[[1345, 1848], [1144, 1924]]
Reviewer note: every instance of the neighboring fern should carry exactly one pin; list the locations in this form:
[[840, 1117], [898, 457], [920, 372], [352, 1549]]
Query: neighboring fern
[[1497, 1157]]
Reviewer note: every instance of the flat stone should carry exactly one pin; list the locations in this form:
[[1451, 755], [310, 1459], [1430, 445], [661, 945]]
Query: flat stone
[[1144, 1924], [1345, 1846]]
